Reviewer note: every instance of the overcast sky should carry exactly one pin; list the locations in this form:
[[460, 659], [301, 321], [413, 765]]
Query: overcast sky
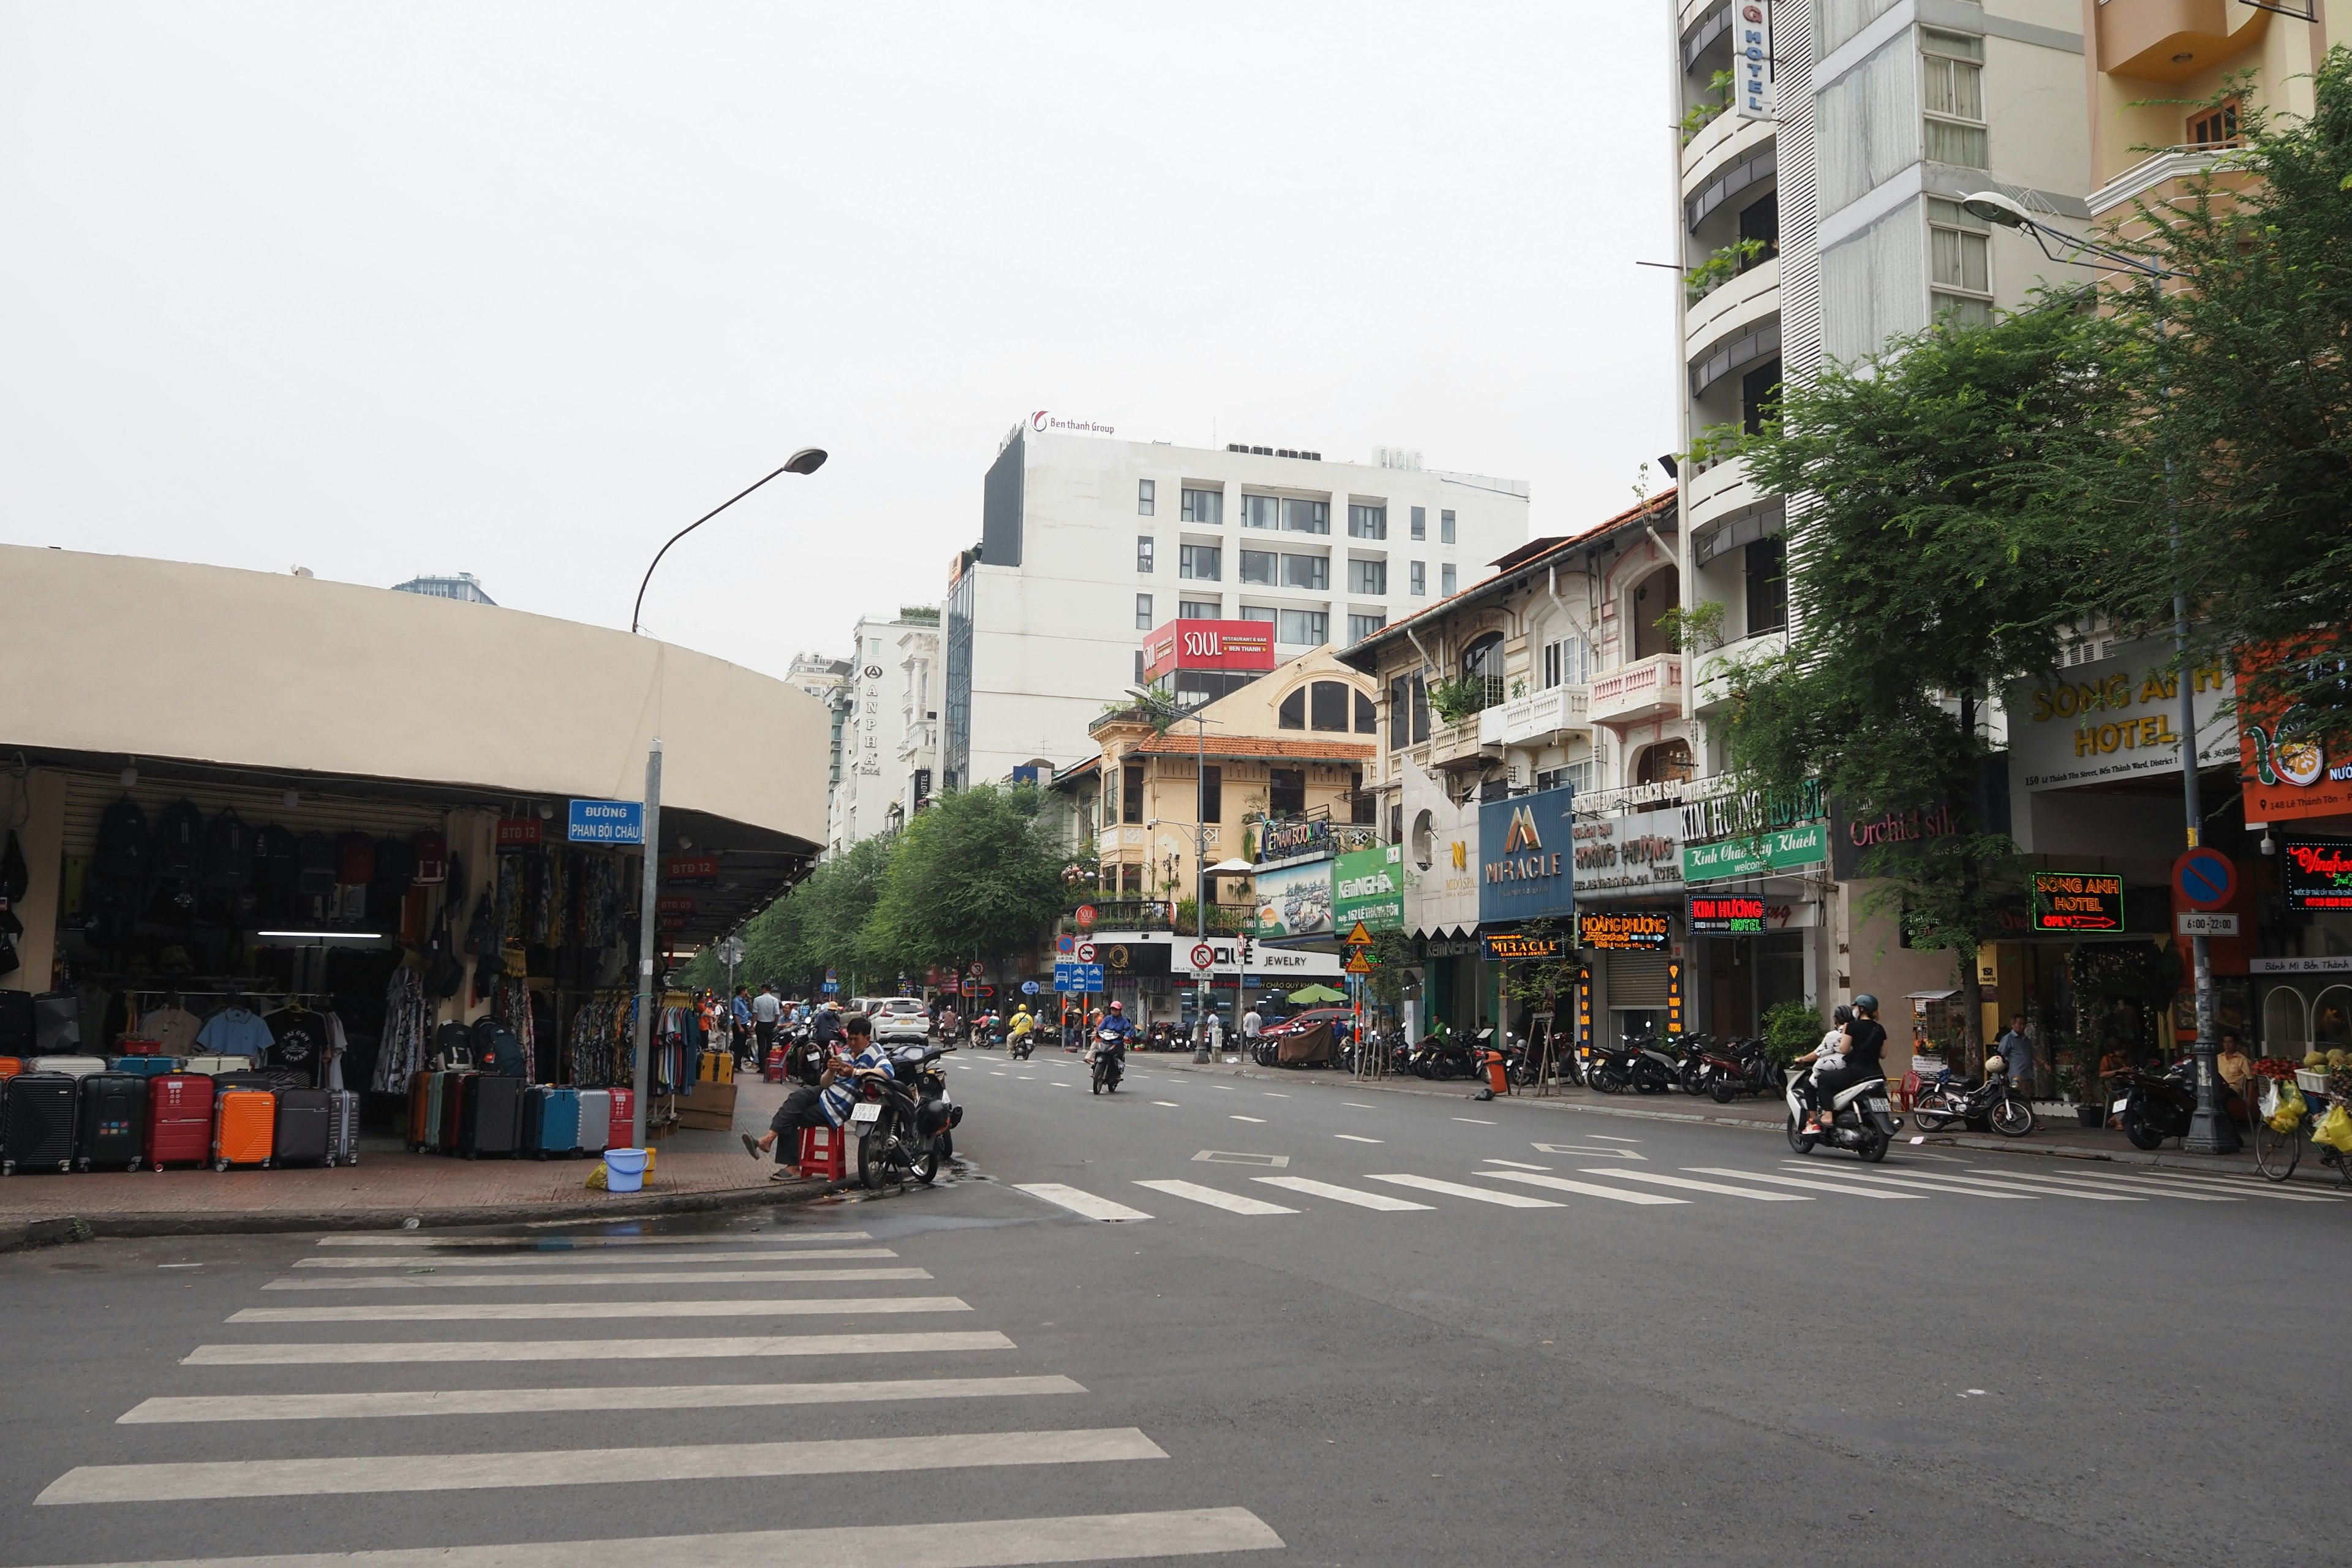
[[522, 290]]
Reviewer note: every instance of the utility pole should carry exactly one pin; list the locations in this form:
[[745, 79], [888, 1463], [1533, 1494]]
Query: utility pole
[[1200, 878], [646, 905]]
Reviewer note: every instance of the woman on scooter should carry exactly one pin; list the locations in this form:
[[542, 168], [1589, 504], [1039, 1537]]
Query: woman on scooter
[[1824, 1058], [1866, 1048]]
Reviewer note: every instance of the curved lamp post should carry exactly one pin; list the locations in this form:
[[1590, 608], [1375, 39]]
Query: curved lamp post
[[807, 460]]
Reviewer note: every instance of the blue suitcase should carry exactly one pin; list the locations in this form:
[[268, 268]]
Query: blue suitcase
[[434, 1095], [145, 1066], [551, 1122]]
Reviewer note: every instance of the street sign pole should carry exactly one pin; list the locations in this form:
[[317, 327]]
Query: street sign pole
[[642, 1079]]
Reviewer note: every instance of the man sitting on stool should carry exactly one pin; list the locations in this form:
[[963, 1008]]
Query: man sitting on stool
[[803, 1108]]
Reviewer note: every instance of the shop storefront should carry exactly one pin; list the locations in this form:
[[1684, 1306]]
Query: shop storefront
[[1629, 895]]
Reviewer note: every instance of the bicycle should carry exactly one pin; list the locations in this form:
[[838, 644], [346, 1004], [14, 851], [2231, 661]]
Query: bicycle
[[2277, 1153]]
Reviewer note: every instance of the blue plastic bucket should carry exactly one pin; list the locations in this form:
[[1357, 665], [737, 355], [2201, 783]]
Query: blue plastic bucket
[[624, 1170]]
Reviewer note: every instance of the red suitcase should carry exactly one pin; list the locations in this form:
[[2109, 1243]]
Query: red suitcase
[[179, 1118], [624, 1102]]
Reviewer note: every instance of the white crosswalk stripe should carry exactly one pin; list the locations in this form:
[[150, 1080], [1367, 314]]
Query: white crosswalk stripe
[[1846, 1188], [1657, 1178], [1590, 1189], [2146, 1189], [542, 1281], [1232, 1203], [1458, 1190], [594, 1259], [1921, 1184], [429, 1351], [2044, 1185], [566, 1243], [516, 1312], [1380, 1201], [1080, 1202], [2249, 1186], [379, 1404]]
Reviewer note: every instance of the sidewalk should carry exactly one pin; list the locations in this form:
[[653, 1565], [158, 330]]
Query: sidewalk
[[2066, 1140], [390, 1187]]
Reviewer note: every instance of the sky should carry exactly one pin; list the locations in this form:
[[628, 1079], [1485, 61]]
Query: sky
[[522, 290]]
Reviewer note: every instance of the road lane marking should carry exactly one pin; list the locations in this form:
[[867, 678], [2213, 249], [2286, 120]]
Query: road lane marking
[[1232, 1203], [183, 1480], [1590, 1189], [1169, 1103], [1359, 1105], [1520, 1164], [175, 1409], [1588, 1151], [2248, 1186], [964, 1543], [1078, 1202], [1380, 1201], [1456, 1189], [2014, 1190], [646, 1267], [537, 1281], [660, 1349], [2046, 1184], [517, 1312], [573, 1243], [1658, 1180], [2146, 1189], [1353, 1138], [1847, 1188], [1238, 1157], [1478, 1120], [1921, 1184], [1259, 1120], [1607, 1137], [1271, 1095]]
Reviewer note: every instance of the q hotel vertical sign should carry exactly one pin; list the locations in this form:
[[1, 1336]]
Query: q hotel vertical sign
[[1525, 868], [1751, 61]]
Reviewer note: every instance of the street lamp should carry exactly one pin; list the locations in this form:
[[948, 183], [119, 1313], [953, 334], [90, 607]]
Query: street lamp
[[807, 460], [2211, 1132]]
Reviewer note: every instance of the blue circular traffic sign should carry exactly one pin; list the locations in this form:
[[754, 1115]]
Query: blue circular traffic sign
[[1028, 988], [2205, 878]]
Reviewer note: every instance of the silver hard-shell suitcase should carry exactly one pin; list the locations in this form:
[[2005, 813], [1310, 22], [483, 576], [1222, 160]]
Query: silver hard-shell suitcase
[[342, 1126], [595, 1120]]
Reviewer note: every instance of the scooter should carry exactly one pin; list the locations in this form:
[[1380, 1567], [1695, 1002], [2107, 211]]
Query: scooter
[[1109, 1060], [1861, 1120], [1995, 1103], [2156, 1105], [1018, 1047]]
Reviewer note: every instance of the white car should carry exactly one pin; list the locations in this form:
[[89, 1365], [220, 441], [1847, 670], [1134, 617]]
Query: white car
[[900, 1018]]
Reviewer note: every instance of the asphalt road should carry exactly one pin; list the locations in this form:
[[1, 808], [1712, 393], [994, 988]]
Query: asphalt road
[[2008, 1361]]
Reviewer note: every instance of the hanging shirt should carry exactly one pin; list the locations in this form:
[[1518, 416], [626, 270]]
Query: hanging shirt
[[298, 1040], [173, 1028], [234, 1032]]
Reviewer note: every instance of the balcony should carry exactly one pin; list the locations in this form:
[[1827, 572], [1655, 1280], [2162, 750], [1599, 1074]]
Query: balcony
[[2163, 167], [1456, 745], [1735, 303], [1710, 680], [1726, 140], [1538, 717], [1639, 692], [2171, 40]]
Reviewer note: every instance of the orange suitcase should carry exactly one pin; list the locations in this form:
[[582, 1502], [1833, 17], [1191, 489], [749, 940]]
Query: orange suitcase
[[11, 1065], [245, 1126], [420, 1100]]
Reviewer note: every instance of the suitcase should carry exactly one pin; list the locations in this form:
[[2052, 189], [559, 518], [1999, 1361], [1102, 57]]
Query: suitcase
[[215, 1066], [300, 1135], [714, 1066], [179, 1120], [595, 1120], [489, 1117], [78, 1066], [37, 1122], [551, 1122], [420, 1102], [145, 1066], [111, 1120], [437, 1095], [245, 1124], [623, 1102], [247, 1080], [11, 1065], [342, 1126], [130, 1047], [16, 1023], [452, 1103], [56, 1022]]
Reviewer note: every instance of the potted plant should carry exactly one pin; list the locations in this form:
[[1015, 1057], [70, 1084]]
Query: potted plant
[[2078, 1082]]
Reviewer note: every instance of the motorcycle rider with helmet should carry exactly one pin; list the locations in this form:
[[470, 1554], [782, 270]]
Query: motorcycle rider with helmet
[[1115, 1023], [1865, 1050]]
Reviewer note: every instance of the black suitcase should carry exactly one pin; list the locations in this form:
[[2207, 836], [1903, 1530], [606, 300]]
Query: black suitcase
[[255, 1079], [37, 1122], [16, 1024], [111, 1120], [303, 1123], [489, 1115]]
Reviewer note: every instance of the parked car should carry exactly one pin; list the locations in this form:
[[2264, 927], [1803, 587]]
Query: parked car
[[900, 1018]]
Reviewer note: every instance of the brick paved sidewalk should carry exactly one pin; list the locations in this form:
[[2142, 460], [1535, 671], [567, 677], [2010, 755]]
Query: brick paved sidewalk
[[390, 1185]]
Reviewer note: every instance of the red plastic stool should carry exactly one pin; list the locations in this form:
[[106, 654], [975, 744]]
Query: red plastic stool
[[1908, 1091], [824, 1151], [774, 1070]]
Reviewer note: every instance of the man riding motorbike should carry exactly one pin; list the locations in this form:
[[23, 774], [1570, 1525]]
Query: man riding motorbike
[[1114, 1033], [1017, 1032], [1866, 1048]]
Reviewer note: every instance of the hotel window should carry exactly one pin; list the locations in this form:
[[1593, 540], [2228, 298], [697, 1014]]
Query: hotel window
[[1306, 572], [1959, 261], [1212, 793], [1768, 584], [1306, 516], [1198, 609], [1146, 493], [1417, 577], [1307, 627], [1952, 92], [2215, 127], [1130, 791], [1201, 563], [1368, 715], [1445, 528], [1368, 576], [1328, 706], [1257, 612], [1143, 552], [1259, 566], [1361, 626], [1139, 666], [1260, 512], [1421, 523], [1445, 580], [1566, 662], [1204, 507], [1368, 522], [1143, 612], [1286, 791]]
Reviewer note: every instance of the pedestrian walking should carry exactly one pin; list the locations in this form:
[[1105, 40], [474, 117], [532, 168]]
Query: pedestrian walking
[[2016, 1049]]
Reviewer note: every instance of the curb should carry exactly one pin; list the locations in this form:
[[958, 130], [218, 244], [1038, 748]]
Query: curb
[[18, 1235], [1975, 1143]]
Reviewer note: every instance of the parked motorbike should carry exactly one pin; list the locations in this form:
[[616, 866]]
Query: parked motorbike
[[1609, 1068], [1650, 1066], [1861, 1120], [905, 1123], [1109, 1060], [1996, 1103], [1443, 1057], [2154, 1107], [1741, 1066]]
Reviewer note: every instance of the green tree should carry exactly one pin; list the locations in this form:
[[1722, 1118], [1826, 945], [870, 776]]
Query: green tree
[[976, 875]]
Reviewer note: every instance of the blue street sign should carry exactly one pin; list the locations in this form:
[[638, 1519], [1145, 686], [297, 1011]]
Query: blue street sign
[[1061, 975], [1086, 976], [607, 822], [1028, 988], [833, 987], [2205, 878]]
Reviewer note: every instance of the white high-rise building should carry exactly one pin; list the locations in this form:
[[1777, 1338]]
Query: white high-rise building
[[1089, 542], [873, 788]]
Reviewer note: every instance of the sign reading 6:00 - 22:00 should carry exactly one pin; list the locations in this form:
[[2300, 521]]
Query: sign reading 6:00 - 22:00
[[2078, 900]]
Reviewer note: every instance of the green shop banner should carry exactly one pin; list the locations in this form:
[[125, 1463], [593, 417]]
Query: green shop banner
[[1757, 855], [1368, 885]]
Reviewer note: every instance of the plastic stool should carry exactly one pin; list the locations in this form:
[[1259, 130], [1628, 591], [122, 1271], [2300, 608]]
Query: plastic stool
[[824, 1151]]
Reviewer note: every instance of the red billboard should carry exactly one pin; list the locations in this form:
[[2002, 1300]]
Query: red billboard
[[1208, 645]]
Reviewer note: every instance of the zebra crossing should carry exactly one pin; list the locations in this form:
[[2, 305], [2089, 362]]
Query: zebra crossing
[[1794, 1181], [561, 1380]]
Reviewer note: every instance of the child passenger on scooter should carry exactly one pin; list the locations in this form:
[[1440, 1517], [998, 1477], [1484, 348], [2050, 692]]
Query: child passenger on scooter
[[1825, 1059]]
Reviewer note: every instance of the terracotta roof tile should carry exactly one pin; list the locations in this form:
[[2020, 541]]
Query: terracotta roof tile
[[1174, 745]]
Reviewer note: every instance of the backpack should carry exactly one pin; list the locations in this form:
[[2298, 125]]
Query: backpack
[[14, 876], [273, 860], [499, 1049], [228, 856], [482, 941], [354, 860], [124, 845], [452, 1047], [176, 855], [429, 860], [316, 860], [394, 869]]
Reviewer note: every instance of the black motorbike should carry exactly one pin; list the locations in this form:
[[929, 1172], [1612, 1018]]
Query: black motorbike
[[904, 1124], [1449, 1057], [1609, 1068], [1108, 1060], [2155, 1106], [1018, 1047], [1996, 1104], [1651, 1068]]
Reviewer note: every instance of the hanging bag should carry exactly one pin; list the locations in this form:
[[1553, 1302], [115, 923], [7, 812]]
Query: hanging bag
[[13, 875]]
